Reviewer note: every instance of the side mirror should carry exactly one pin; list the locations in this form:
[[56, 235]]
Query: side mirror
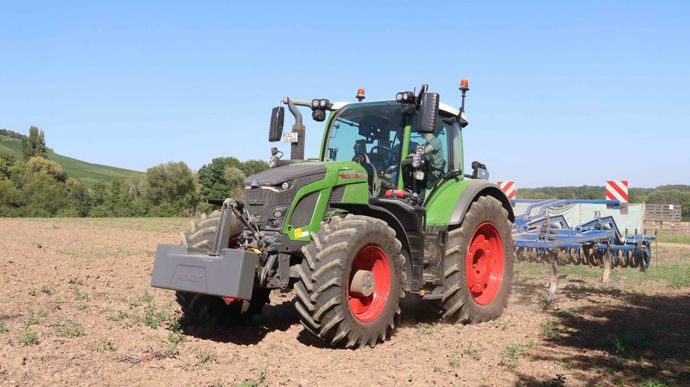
[[428, 111], [275, 132]]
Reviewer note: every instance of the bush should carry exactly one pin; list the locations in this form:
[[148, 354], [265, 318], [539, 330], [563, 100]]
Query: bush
[[172, 188], [163, 210], [10, 196], [37, 165]]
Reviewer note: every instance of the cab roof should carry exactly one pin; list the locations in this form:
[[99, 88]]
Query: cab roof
[[441, 106]]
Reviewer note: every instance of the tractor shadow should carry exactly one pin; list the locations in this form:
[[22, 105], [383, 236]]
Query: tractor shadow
[[274, 317], [417, 311], [281, 316], [414, 311], [613, 335]]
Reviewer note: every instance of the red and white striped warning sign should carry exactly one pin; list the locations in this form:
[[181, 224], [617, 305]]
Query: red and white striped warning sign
[[617, 190], [509, 188]]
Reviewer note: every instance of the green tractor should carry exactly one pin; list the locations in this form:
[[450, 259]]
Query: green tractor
[[385, 211]]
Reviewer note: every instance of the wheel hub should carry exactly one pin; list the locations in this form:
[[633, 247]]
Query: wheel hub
[[369, 283], [484, 264], [362, 283]]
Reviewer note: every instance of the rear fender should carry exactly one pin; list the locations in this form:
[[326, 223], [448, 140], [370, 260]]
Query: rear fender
[[476, 189]]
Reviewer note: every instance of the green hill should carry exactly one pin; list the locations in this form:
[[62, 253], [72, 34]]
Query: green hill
[[88, 173]]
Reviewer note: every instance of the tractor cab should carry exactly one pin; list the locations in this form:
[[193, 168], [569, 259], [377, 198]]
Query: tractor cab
[[385, 140], [405, 150]]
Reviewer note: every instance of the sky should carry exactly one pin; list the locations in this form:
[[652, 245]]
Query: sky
[[562, 93]]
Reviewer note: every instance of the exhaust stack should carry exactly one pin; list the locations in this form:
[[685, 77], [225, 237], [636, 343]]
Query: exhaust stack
[[297, 140]]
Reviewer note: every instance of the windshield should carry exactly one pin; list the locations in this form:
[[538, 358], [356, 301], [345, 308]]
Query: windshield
[[371, 131], [370, 134]]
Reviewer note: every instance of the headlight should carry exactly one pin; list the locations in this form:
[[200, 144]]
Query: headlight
[[286, 185], [279, 212], [405, 97]]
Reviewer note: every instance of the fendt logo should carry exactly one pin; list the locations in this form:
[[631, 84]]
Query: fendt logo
[[352, 175]]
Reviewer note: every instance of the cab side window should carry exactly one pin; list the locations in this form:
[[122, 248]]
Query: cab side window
[[437, 149], [442, 157], [456, 147]]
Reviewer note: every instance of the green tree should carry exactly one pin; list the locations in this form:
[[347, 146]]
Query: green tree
[[11, 199], [6, 164], [135, 186], [98, 194], [212, 178], [215, 180], [35, 144], [111, 200], [78, 195], [173, 186], [42, 165], [251, 167], [235, 181], [45, 195]]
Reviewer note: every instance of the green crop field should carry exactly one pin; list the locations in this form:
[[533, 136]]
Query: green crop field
[[675, 238], [88, 173]]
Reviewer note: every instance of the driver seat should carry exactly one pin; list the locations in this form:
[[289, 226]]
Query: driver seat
[[372, 175]]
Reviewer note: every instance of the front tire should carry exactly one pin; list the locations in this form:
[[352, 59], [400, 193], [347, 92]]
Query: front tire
[[351, 282], [214, 310], [479, 264]]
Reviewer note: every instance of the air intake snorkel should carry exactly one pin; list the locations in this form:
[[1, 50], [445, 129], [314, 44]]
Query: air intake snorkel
[[297, 139]]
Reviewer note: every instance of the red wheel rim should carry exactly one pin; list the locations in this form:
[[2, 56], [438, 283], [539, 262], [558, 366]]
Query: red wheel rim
[[368, 308], [484, 264]]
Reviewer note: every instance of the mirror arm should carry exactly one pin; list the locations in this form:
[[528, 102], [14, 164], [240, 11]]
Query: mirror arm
[[422, 90], [295, 112], [297, 102]]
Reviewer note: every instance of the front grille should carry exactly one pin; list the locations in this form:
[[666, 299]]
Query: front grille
[[261, 202], [337, 195]]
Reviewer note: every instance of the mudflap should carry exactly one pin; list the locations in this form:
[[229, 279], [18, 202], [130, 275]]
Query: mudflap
[[230, 274]]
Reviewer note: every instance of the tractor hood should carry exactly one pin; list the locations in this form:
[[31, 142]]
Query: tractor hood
[[279, 175], [274, 191]]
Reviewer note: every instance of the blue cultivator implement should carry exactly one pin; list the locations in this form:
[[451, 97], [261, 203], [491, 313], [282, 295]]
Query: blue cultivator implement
[[602, 233]]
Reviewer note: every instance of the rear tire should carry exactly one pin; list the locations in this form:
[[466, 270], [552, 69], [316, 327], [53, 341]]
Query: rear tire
[[214, 310], [479, 264], [328, 302]]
